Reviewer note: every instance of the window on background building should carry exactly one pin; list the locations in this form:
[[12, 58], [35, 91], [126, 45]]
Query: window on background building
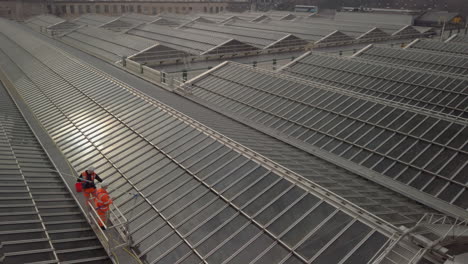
[[122, 9], [155, 10], [130, 8], [183, 8], [98, 9], [204, 9], [211, 9], [177, 9], [139, 9], [64, 9], [88, 9], [57, 10], [190, 8], [169, 9], [80, 9], [217, 9], [106, 9], [114, 9], [221, 9], [72, 9], [161, 9], [49, 9]]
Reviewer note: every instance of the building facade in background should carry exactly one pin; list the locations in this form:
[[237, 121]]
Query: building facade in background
[[23, 9]]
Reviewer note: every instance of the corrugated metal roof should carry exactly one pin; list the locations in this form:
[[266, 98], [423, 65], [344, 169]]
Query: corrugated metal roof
[[199, 198], [438, 46], [413, 58], [105, 43], [93, 19], [402, 143], [312, 34], [190, 42], [255, 37]]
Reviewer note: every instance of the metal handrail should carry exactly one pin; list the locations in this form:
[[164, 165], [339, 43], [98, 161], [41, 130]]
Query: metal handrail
[[121, 227]]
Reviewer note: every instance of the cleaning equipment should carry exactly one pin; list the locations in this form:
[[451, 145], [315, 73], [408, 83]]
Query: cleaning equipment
[[79, 187]]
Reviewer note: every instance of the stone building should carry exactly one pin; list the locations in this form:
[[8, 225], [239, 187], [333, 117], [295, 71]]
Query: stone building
[[23, 9]]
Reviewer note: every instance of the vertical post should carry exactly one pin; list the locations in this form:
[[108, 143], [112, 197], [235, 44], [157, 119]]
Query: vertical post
[[274, 64], [254, 64], [124, 61], [341, 53], [163, 77], [184, 75], [141, 68]]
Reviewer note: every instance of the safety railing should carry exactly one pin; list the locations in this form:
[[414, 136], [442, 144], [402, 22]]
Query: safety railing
[[114, 233]]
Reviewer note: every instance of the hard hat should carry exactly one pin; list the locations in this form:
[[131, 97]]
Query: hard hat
[[91, 168], [104, 184]]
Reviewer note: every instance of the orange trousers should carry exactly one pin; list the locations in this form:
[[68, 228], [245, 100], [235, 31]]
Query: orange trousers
[[103, 216], [89, 193]]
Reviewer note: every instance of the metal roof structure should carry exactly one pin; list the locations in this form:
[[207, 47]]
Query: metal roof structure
[[217, 18], [105, 43], [459, 49], [51, 23], [458, 38], [43, 21], [195, 195], [191, 43], [128, 21], [376, 134], [428, 90], [258, 38], [413, 58], [40, 221], [166, 22], [312, 34], [180, 20], [93, 20]]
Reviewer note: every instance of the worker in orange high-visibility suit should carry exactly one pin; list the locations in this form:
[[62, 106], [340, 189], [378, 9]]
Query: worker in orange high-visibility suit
[[88, 177], [102, 203]]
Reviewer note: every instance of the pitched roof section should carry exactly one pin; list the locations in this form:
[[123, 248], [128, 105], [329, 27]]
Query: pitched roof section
[[259, 38], [407, 32], [288, 41], [165, 22], [195, 44], [311, 34], [106, 44], [230, 46], [288, 17], [335, 37], [93, 20], [260, 18], [158, 52], [44, 21], [119, 25], [375, 33]]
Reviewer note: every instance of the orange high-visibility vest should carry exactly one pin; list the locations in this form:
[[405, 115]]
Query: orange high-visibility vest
[[103, 200]]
